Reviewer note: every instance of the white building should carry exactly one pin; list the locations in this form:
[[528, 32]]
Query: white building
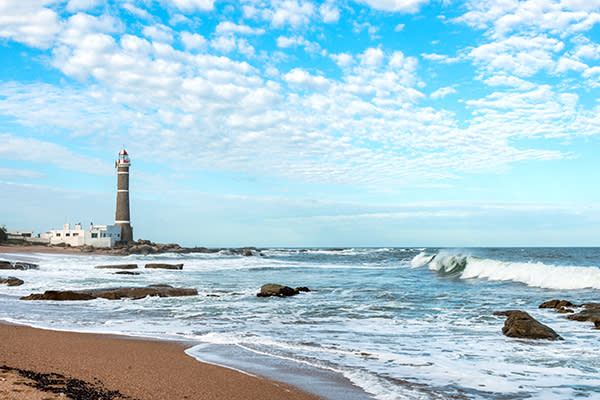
[[97, 235]]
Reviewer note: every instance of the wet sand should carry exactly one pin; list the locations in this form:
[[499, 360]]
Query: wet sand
[[137, 368]]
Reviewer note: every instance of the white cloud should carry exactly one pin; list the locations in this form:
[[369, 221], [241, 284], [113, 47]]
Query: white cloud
[[399, 28], [82, 5], [288, 12], [138, 12], [31, 149], [566, 64], [301, 77], [159, 33], [343, 60], [442, 92], [193, 41], [293, 41], [230, 27], [441, 58], [407, 6], [29, 22], [329, 12], [372, 57], [11, 173], [192, 5]]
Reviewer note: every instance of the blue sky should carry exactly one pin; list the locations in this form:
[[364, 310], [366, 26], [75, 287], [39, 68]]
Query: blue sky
[[305, 123]]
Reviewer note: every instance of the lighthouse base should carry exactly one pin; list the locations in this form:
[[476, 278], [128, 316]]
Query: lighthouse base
[[126, 233]]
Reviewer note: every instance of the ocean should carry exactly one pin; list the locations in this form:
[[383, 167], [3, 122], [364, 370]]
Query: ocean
[[379, 323]]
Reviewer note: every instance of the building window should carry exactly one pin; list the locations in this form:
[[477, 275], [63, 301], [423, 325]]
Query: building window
[[76, 234], [94, 235], [67, 234], [58, 235]]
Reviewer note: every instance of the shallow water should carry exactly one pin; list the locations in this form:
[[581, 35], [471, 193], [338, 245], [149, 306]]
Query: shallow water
[[398, 323]]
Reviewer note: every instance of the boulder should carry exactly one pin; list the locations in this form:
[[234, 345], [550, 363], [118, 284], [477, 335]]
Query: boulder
[[113, 293], [66, 295], [273, 289], [126, 273], [519, 324], [557, 304], [118, 266], [165, 266], [591, 313], [12, 281], [17, 265]]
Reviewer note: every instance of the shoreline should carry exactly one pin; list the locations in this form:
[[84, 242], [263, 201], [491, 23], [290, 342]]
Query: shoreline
[[141, 368]]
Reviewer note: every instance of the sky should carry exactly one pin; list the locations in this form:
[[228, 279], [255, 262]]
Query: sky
[[303, 123]]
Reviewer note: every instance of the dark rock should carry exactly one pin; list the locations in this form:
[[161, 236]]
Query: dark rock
[[3, 235], [564, 310], [590, 314], [165, 266], [597, 324], [118, 266], [114, 293], [272, 289], [558, 304], [247, 253], [126, 273], [212, 295], [18, 265], [519, 324], [12, 281], [66, 295]]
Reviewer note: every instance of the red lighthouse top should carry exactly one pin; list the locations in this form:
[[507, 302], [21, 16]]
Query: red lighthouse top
[[123, 158]]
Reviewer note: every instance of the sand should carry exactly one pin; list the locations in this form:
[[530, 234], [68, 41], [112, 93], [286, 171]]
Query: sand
[[138, 368]]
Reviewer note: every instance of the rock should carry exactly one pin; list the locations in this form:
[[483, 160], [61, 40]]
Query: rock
[[66, 295], [519, 324], [12, 281], [591, 313], [18, 265], [3, 235], [118, 266], [247, 253], [126, 273], [558, 304], [113, 293], [564, 310], [597, 324], [165, 266], [273, 289]]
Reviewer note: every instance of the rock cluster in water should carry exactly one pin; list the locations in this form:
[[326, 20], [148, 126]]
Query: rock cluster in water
[[135, 293], [273, 289], [134, 266], [144, 247], [520, 324], [11, 281], [590, 312], [20, 265]]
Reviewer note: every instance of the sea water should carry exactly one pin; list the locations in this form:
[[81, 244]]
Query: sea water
[[396, 323]]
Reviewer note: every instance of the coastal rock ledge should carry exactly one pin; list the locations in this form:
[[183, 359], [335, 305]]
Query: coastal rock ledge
[[519, 324], [12, 281], [273, 289], [22, 266], [113, 293]]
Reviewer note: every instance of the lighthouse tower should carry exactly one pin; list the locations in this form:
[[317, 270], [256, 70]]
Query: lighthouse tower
[[122, 214]]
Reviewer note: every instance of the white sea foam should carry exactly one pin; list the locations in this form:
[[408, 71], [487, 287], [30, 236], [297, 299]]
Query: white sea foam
[[532, 274]]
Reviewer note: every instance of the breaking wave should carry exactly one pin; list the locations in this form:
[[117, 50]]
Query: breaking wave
[[535, 274]]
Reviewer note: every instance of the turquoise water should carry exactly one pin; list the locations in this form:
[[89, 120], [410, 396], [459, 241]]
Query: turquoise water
[[397, 323]]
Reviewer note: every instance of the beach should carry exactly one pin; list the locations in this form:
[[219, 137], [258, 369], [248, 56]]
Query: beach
[[378, 323], [137, 368]]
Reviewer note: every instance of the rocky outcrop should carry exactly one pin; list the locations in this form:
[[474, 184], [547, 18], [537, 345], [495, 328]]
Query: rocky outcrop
[[164, 266], [11, 281], [273, 289], [126, 273], [590, 313], [113, 293], [118, 266], [20, 265], [557, 304], [519, 324]]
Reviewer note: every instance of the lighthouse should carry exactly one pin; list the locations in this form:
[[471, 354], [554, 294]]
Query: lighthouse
[[122, 215]]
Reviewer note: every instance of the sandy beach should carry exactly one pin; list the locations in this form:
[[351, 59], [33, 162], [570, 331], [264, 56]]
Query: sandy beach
[[36, 248], [136, 368]]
